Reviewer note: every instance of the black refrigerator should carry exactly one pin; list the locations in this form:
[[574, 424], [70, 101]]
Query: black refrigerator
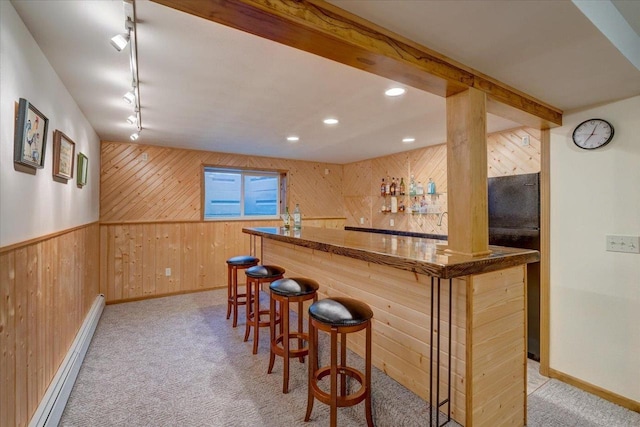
[[514, 221]]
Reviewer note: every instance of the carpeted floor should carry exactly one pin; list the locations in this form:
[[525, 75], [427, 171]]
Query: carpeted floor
[[177, 361]]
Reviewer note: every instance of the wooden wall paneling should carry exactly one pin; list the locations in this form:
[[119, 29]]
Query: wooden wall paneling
[[498, 344], [168, 185], [8, 341], [149, 259], [21, 328], [46, 288], [506, 156], [50, 278], [35, 333]]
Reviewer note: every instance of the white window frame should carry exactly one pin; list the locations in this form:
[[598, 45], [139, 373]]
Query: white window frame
[[243, 173]]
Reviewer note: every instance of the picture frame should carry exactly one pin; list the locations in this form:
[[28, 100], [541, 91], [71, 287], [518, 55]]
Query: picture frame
[[83, 169], [30, 136], [64, 150]]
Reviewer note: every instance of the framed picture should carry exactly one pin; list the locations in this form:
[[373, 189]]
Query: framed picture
[[83, 168], [30, 139], [64, 150]]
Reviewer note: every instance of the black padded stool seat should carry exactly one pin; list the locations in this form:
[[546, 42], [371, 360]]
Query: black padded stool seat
[[339, 316], [243, 260], [283, 292], [256, 276], [234, 299], [341, 311], [294, 287], [264, 271]]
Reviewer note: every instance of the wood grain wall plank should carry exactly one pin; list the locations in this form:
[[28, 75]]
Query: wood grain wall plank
[[8, 341], [21, 333]]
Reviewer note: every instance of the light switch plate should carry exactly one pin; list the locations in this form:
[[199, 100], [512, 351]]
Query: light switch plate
[[627, 244]]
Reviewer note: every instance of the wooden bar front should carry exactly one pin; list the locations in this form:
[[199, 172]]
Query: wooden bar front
[[393, 275]]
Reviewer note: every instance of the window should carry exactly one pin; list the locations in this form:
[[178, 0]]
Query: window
[[232, 193]]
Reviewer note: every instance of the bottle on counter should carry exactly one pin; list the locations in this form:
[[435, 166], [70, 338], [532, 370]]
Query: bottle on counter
[[402, 187], [383, 188], [431, 187], [297, 218], [287, 219]]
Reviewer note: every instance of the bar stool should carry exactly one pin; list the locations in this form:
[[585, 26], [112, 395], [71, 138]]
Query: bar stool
[[285, 291], [339, 316], [234, 299], [256, 276]]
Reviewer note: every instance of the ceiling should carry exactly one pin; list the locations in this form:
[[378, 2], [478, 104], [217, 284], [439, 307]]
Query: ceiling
[[208, 87]]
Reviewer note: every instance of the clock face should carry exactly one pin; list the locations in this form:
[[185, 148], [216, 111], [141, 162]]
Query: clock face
[[593, 133]]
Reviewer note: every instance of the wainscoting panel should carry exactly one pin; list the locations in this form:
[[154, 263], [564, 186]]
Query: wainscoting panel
[[135, 256], [47, 287]]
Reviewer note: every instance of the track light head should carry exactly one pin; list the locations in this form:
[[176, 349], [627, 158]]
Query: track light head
[[130, 97], [135, 136], [120, 41]]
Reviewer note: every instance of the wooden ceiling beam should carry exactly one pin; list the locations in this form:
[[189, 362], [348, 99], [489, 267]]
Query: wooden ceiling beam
[[328, 31]]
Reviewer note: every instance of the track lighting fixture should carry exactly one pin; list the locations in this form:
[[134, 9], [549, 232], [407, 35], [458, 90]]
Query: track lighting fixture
[[119, 42]]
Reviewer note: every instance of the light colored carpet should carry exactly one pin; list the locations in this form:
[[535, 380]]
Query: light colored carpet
[[177, 361]]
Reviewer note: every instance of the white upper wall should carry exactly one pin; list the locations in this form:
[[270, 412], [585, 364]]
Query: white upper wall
[[35, 205], [595, 295]]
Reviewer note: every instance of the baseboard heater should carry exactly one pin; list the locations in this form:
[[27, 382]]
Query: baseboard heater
[[55, 399]]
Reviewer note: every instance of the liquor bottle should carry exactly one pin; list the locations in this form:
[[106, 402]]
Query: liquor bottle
[[431, 187], [297, 219], [392, 188], [387, 188], [402, 189], [419, 189], [287, 219], [383, 188], [412, 186]]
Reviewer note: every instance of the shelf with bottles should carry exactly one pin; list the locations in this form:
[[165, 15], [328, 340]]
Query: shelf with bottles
[[392, 187]]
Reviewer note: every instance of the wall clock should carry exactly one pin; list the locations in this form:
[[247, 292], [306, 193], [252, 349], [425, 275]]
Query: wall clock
[[592, 134]]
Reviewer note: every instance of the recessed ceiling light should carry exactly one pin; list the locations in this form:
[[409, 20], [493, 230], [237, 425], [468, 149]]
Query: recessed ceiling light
[[395, 91], [330, 121], [293, 138], [408, 140]]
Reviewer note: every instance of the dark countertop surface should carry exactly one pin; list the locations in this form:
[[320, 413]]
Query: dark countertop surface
[[404, 252]]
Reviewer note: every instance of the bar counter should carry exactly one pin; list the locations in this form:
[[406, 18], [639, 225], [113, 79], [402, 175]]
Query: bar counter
[[450, 328], [415, 254]]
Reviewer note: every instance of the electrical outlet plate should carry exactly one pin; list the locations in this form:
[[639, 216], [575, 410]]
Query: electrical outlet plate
[[167, 271], [392, 222], [627, 244]]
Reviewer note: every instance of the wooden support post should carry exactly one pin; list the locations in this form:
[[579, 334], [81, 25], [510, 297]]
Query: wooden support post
[[467, 173]]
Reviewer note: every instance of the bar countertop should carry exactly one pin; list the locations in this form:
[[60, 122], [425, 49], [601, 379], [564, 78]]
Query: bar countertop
[[407, 253]]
